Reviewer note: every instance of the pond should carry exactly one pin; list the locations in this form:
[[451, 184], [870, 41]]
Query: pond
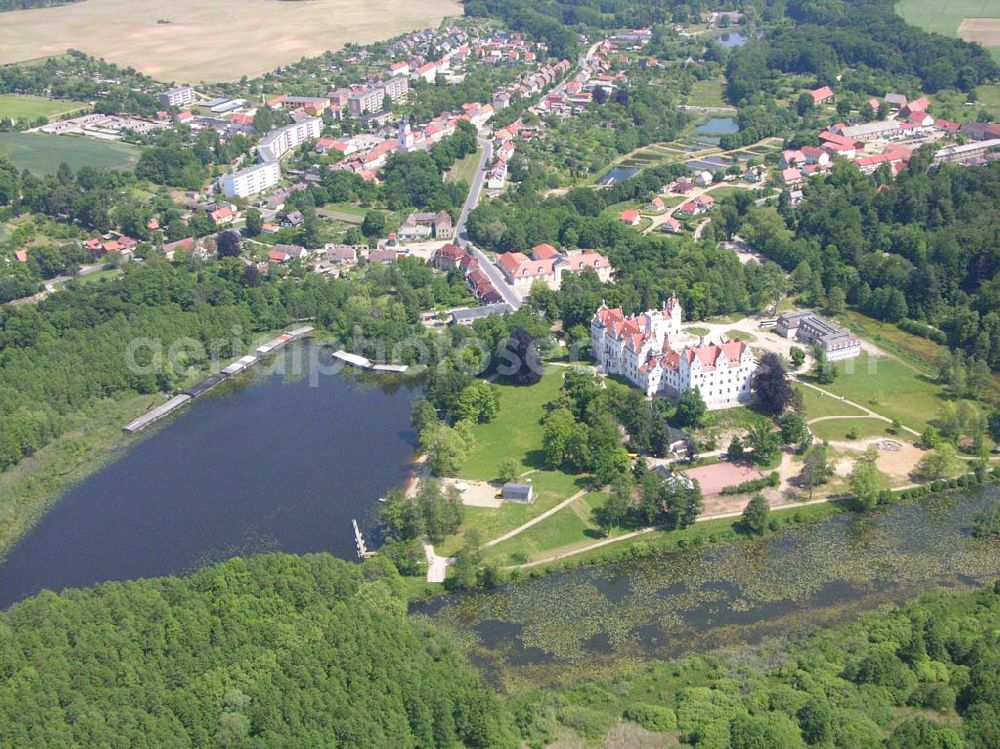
[[719, 126], [617, 174], [269, 464], [731, 39], [569, 624]]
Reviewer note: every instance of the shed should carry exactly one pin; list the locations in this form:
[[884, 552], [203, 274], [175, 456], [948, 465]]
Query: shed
[[523, 493]]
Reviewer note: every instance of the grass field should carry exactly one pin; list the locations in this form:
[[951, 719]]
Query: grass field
[[818, 405], [464, 169], [891, 388], [946, 18], [30, 108], [850, 429], [210, 41], [42, 154], [706, 94]]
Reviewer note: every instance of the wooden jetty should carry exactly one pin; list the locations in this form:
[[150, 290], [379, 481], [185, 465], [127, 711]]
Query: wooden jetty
[[359, 542]]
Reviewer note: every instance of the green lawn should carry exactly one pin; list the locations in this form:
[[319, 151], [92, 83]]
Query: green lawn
[[706, 94], [921, 353], [889, 387], [30, 108], [464, 169], [42, 154], [839, 429], [569, 528], [817, 404]]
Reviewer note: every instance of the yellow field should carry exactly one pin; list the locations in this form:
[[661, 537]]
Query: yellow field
[[210, 40], [986, 31]]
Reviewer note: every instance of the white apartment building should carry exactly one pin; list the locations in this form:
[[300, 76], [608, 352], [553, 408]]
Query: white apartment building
[[810, 328], [250, 181], [646, 350], [179, 96], [278, 142]]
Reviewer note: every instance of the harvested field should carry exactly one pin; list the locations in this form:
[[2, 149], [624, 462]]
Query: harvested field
[[194, 40], [985, 31]]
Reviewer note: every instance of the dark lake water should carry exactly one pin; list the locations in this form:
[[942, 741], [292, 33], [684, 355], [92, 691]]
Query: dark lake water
[[270, 465], [618, 174], [731, 39], [673, 603]]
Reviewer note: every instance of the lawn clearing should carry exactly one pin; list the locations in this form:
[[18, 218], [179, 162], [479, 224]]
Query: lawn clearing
[[516, 432], [41, 154], [706, 94], [30, 108], [889, 387], [838, 430], [970, 20], [818, 405], [464, 170]]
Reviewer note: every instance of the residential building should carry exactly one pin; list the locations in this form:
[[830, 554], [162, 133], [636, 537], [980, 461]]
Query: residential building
[[548, 265], [278, 142], [630, 217], [180, 96], [250, 181], [649, 351], [810, 328], [868, 130], [427, 225], [969, 153], [822, 95]]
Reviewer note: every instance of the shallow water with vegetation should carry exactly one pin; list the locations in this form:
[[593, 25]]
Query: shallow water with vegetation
[[669, 604]]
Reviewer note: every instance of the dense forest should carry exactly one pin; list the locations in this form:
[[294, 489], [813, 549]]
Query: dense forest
[[311, 651], [923, 247], [273, 651]]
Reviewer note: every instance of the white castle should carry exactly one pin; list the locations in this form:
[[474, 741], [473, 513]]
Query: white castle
[[646, 350]]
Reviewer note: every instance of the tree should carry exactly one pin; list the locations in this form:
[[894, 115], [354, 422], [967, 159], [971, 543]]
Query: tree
[[228, 244], [770, 383], [509, 470], [523, 364], [815, 468], [615, 511], [478, 403], [797, 356], [446, 446], [557, 431], [254, 222], [824, 372], [735, 450], [690, 409], [867, 482], [374, 224], [793, 428], [804, 104], [764, 441], [942, 462], [755, 515]]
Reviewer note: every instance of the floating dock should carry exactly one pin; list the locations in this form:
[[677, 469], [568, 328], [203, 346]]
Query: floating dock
[[362, 362], [212, 381], [359, 542], [156, 414]]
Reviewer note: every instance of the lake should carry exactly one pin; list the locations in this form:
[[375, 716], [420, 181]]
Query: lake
[[731, 39], [617, 174], [266, 464], [569, 624]]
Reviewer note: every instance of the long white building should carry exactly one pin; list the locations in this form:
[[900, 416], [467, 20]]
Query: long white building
[[278, 142], [646, 350], [250, 181]]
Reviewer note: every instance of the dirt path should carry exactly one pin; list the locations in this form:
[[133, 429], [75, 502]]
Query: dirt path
[[437, 567], [535, 520]]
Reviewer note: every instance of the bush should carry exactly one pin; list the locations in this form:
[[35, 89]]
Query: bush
[[652, 717], [771, 480]]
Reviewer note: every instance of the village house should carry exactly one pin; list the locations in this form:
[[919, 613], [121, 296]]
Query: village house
[[822, 95], [547, 265], [427, 225], [647, 351], [630, 217]]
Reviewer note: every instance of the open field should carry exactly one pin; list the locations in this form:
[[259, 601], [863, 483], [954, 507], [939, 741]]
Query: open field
[[30, 108], [706, 93], [221, 40], [838, 430], [464, 169], [42, 154], [972, 20]]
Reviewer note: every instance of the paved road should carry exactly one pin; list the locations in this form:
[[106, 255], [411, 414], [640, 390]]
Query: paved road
[[486, 265]]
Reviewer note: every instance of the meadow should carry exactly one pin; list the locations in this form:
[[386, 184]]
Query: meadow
[[947, 19], [30, 108], [192, 40], [42, 154]]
